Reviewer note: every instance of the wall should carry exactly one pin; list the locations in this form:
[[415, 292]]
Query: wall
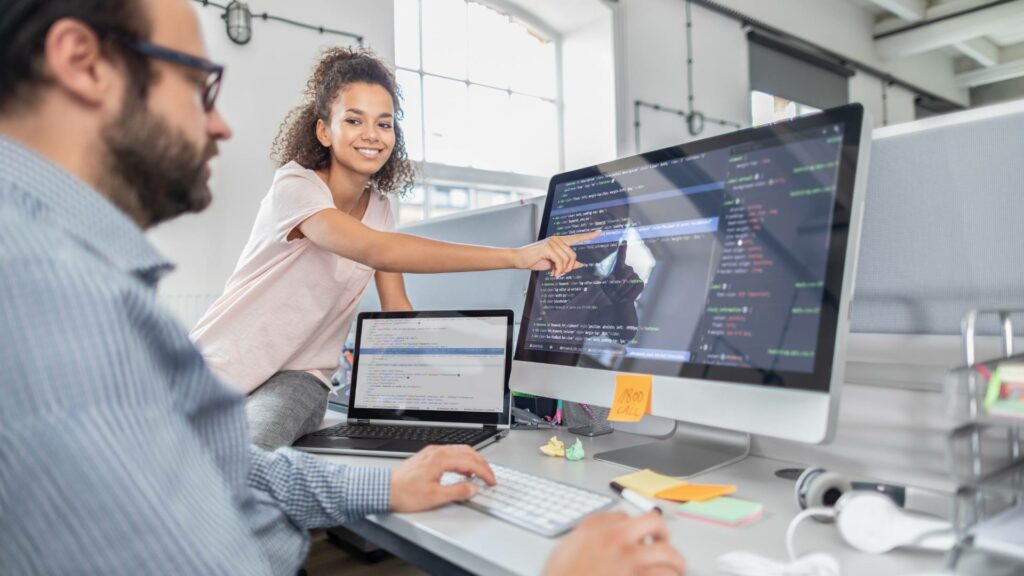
[[651, 36], [588, 73], [895, 107], [263, 81], [652, 52]]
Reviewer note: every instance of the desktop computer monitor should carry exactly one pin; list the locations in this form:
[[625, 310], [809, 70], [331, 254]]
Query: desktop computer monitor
[[724, 271]]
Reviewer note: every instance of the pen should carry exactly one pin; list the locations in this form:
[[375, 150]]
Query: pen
[[634, 498], [591, 412]]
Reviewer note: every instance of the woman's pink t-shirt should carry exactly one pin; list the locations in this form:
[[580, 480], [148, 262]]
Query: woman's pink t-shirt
[[288, 304]]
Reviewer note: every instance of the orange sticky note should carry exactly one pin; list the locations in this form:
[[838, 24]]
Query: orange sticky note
[[632, 398], [695, 492]]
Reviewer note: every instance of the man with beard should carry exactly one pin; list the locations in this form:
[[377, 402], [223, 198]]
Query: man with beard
[[107, 123]]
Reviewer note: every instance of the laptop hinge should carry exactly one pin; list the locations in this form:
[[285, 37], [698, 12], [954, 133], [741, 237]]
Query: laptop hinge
[[490, 426], [362, 420]]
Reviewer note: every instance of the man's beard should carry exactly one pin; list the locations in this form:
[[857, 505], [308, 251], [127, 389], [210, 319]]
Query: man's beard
[[153, 172]]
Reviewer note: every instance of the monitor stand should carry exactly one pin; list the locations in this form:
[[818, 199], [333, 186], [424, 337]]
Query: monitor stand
[[593, 429], [690, 450]]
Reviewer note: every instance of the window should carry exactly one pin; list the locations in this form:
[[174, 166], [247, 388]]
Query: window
[[766, 108], [431, 199], [480, 94], [412, 208]]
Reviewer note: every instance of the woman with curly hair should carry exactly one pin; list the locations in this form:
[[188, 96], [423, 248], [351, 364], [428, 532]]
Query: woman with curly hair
[[323, 231]]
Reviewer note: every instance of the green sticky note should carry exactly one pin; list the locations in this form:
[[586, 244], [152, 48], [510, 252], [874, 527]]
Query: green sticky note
[[995, 384], [724, 510]]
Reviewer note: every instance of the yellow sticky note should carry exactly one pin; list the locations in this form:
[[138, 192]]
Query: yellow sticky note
[[647, 482], [695, 492], [632, 398]]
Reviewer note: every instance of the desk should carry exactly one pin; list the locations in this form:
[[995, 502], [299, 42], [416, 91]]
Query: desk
[[483, 545]]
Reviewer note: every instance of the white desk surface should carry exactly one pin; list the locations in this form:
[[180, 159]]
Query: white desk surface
[[485, 545]]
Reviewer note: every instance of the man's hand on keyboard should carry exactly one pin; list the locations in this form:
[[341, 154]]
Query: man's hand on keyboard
[[416, 483], [614, 544]]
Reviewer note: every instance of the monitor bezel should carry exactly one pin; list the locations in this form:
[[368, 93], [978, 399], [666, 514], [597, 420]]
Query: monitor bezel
[[819, 379], [502, 418]]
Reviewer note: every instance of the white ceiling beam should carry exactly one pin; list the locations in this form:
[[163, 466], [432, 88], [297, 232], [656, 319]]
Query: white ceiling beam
[[979, 23], [981, 50], [933, 12], [1013, 52], [909, 10], [940, 9], [889, 24], [1004, 71]]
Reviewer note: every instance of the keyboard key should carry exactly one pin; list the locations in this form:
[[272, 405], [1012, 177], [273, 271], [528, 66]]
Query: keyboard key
[[427, 434]]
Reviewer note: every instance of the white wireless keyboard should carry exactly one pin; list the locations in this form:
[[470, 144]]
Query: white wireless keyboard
[[540, 505]]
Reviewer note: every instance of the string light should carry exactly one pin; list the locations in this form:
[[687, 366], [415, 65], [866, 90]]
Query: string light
[[238, 19]]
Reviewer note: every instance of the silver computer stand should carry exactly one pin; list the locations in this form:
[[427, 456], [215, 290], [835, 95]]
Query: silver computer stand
[[688, 450]]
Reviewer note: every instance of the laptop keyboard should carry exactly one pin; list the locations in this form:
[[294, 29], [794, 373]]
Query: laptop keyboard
[[427, 434]]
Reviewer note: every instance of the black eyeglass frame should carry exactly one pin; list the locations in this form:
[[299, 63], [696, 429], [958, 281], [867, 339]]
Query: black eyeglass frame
[[215, 72]]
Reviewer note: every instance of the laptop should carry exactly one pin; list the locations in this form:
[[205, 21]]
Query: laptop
[[421, 378]]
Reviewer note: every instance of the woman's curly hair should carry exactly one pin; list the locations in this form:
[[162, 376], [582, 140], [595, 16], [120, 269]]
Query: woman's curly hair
[[339, 67]]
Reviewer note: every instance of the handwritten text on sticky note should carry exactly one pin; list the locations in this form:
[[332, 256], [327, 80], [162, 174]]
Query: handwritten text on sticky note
[[632, 398]]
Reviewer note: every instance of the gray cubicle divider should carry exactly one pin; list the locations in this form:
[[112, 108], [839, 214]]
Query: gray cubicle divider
[[506, 226], [944, 223]]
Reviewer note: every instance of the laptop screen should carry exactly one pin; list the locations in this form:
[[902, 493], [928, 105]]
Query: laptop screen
[[435, 366]]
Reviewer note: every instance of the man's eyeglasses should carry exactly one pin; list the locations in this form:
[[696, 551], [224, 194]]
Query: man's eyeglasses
[[214, 72]]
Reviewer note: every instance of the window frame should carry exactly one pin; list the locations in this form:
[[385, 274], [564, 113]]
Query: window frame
[[472, 178], [519, 186]]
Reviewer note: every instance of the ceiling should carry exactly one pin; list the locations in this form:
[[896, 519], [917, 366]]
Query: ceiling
[[563, 16], [987, 35]]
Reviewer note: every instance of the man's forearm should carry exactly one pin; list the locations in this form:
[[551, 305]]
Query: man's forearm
[[315, 493]]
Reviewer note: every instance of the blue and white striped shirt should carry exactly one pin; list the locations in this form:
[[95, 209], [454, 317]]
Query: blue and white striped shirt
[[119, 451]]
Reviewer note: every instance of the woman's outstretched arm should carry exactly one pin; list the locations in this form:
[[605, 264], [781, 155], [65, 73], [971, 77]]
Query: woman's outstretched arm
[[346, 236]]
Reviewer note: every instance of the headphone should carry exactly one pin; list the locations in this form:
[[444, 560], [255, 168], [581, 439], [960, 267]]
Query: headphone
[[870, 516], [818, 488]]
